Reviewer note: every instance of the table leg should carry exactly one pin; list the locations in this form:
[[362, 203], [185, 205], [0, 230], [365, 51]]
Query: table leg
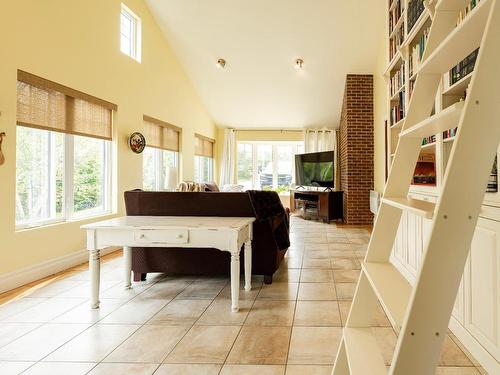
[[95, 275], [235, 282], [127, 266], [248, 266]]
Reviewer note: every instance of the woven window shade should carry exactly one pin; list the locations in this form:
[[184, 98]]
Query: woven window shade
[[203, 146], [47, 105], [160, 134]]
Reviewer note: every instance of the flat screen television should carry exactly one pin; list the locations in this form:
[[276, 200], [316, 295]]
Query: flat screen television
[[315, 169]]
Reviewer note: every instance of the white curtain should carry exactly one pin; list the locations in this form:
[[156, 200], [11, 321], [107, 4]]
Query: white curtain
[[316, 140], [228, 158]]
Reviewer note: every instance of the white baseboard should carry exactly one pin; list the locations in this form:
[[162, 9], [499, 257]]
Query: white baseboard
[[487, 361], [38, 271]]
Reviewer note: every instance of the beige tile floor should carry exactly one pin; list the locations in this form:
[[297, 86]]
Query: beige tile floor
[[183, 325]]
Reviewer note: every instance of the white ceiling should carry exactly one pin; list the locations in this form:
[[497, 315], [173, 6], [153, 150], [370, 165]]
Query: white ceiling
[[260, 40]]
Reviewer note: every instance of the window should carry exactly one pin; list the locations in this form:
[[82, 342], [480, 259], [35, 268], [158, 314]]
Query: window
[[63, 153], [160, 158], [156, 168], [203, 159], [267, 165], [130, 33]]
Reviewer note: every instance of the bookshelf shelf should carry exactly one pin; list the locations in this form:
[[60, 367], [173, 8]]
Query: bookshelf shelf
[[451, 58], [394, 63], [458, 88], [424, 17], [395, 97], [397, 25], [429, 145], [398, 125]]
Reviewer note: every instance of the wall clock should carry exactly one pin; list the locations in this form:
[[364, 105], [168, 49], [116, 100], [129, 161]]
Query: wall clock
[[137, 142]]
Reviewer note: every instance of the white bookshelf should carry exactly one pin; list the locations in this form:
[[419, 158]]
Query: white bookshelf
[[447, 96]]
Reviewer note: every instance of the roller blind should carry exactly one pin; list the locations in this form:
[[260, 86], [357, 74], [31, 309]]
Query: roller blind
[[160, 134], [47, 105], [203, 146]]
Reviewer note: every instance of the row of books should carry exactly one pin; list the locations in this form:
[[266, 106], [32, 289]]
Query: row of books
[[465, 12], [428, 140], [450, 133], [396, 41], [398, 80], [463, 68], [418, 51], [395, 14], [411, 87], [398, 110], [493, 180], [415, 9]]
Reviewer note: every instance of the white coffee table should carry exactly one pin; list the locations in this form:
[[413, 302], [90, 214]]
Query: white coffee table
[[223, 233]]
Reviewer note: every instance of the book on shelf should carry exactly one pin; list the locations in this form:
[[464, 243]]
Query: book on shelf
[[396, 41], [398, 80], [463, 68], [398, 110], [450, 133], [395, 14], [417, 51], [493, 180], [465, 12], [429, 140], [415, 9]]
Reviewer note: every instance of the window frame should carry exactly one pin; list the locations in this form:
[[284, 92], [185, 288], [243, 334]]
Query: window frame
[[198, 160], [274, 159], [67, 212], [158, 166], [135, 33]]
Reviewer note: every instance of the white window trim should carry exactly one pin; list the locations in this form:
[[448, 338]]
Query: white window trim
[[199, 160], [274, 144], [67, 214], [158, 166], [136, 33]]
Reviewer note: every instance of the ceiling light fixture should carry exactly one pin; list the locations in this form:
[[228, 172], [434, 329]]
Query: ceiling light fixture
[[299, 63], [221, 63]]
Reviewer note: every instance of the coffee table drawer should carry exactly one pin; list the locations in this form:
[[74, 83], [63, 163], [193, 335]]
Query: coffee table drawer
[[165, 236]]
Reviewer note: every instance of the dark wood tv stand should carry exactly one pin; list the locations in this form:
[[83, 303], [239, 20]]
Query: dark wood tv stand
[[327, 205]]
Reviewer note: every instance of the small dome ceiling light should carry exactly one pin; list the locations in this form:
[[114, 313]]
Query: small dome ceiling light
[[299, 63], [221, 63]]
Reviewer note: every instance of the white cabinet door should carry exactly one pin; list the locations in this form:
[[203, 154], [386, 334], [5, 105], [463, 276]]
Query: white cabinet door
[[414, 242], [482, 286]]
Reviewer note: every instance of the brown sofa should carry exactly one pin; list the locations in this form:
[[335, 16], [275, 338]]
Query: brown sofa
[[266, 256]]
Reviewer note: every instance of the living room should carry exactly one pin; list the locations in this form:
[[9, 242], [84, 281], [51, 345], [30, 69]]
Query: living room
[[238, 188]]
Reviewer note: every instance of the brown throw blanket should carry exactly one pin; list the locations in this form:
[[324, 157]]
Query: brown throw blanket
[[268, 208]]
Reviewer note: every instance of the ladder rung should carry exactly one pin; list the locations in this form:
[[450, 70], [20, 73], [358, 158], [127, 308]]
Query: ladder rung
[[441, 121], [363, 352], [463, 40], [449, 5], [392, 290], [416, 206]]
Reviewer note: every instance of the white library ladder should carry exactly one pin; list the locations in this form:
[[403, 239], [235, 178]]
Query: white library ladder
[[420, 314]]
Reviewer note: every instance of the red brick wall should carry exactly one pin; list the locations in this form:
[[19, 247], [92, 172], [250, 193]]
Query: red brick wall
[[356, 148]]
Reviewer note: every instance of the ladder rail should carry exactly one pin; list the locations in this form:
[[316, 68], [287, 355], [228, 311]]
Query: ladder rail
[[465, 181], [430, 302]]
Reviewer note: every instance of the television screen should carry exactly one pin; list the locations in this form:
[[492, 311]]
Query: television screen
[[315, 169]]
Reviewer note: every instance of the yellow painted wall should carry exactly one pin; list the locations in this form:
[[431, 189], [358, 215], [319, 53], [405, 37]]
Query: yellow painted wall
[[76, 43]]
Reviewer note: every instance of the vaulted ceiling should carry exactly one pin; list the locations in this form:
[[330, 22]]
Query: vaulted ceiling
[[260, 40]]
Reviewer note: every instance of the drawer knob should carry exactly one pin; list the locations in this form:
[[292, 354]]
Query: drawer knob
[[179, 236], [142, 236]]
